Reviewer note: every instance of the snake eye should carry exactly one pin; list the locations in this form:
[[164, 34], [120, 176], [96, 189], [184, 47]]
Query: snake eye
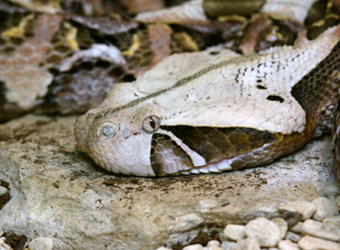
[[151, 123], [107, 129]]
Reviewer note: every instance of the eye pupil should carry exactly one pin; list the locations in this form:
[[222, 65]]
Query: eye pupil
[[152, 123]]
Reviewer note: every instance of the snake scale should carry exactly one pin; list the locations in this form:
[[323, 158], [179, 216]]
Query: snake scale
[[199, 112]]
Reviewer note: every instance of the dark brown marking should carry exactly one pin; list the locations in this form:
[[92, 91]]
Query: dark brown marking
[[215, 144]]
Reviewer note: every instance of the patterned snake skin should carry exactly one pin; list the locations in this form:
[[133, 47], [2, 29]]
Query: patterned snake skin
[[36, 43]]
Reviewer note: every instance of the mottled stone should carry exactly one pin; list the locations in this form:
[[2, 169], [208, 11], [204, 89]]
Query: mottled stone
[[297, 228], [3, 190], [266, 232], [234, 232], [314, 228], [325, 208], [247, 244], [287, 245], [228, 245], [54, 184], [293, 236], [41, 243], [193, 247], [312, 243], [307, 209]]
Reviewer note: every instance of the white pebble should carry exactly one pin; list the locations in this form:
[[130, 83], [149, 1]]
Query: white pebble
[[193, 247], [307, 209], [266, 232], [293, 236], [311, 243], [41, 243], [287, 245], [282, 224], [332, 224], [163, 248], [234, 232], [314, 228], [297, 228], [247, 244], [3, 190], [213, 243], [228, 245], [3, 245], [325, 208]]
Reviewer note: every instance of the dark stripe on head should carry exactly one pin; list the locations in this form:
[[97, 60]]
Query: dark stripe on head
[[215, 144]]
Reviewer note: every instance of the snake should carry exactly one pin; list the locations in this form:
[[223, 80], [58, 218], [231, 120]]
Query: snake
[[205, 111]]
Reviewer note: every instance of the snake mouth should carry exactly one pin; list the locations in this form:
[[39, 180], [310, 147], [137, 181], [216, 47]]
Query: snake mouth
[[167, 157]]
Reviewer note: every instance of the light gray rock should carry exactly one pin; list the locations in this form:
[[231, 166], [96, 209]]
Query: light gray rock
[[163, 248], [194, 247], [311, 243], [297, 228], [282, 224], [287, 245], [325, 208], [213, 244], [266, 232], [3, 190], [307, 209], [293, 236], [234, 232], [332, 224], [60, 193], [247, 244], [41, 243], [228, 245], [314, 228], [3, 245]]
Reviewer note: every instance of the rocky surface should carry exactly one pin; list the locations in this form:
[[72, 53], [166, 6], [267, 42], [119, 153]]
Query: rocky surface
[[57, 192]]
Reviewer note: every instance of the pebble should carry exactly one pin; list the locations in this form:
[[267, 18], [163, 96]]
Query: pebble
[[3, 190], [314, 228], [163, 248], [312, 243], [297, 228], [266, 232], [247, 244], [228, 245], [193, 247], [41, 243], [234, 232], [287, 245], [293, 236], [213, 243], [282, 224], [3, 245], [325, 208], [307, 209], [332, 224]]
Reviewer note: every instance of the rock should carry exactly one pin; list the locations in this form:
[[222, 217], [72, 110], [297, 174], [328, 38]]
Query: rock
[[314, 228], [312, 243], [234, 232], [227, 245], [293, 236], [332, 224], [41, 243], [193, 247], [287, 245], [282, 224], [325, 208], [163, 248], [247, 244], [297, 228], [3, 190], [3, 245], [58, 192], [307, 209], [266, 232], [213, 245]]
